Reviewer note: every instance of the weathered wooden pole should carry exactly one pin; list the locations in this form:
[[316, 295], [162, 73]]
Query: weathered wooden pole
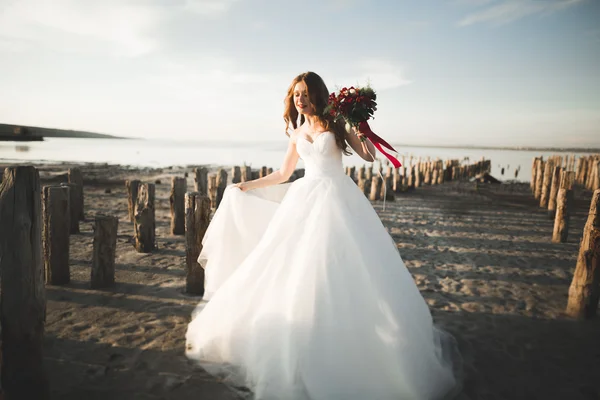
[[197, 218], [73, 211], [55, 235], [554, 186], [539, 179], [585, 286], [533, 174], [212, 190], [386, 189], [236, 174], [221, 185], [262, 172], [365, 186], [368, 172], [246, 174], [145, 222], [563, 204], [546, 183], [22, 290], [104, 251], [132, 192], [177, 201], [75, 177], [375, 188], [201, 180]]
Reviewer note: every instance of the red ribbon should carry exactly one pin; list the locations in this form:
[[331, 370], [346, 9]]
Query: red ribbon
[[365, 129]]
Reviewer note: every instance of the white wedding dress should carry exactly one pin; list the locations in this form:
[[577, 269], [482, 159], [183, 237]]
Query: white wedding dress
[[310, 299]]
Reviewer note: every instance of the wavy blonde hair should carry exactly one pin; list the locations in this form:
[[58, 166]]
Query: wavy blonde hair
[[318, 95]]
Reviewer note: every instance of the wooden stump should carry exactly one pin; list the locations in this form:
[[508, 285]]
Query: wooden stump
[[262, 172], [236, 174], [554, 186], [103, 256], [376, 184], [368, 173], [365, 186], [546, 183], [585, 287], [177, 201], [55, 236], [387, 191], [246, 174], [73, 211], [539, 179], [201, 180], [132, 192], [561, 221], [361, 173], [221, 185], [145, 222], [212, 190], [22, 290], [76, 178], [197, 218]]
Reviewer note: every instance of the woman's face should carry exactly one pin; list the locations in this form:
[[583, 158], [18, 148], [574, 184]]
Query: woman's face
[[301, 100]]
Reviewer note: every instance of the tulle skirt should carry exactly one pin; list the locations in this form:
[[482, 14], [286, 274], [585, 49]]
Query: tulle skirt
[[310, 300]]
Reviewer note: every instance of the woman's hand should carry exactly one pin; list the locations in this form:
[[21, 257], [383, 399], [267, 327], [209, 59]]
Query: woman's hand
[[243, 186]]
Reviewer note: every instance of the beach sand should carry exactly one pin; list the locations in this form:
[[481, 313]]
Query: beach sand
[[480, 254]]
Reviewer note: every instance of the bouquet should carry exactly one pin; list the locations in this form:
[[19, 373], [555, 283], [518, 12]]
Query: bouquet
[[356, 106]]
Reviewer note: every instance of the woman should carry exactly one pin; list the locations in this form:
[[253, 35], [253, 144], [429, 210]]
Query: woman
[[310, 298]]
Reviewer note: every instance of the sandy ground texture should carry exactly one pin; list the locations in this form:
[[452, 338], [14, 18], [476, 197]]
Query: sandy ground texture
[[481, 256]]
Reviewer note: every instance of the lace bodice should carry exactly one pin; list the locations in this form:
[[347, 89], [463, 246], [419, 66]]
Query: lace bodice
[[322, 158]]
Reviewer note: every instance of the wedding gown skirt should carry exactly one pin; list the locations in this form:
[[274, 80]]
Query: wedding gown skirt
[[310, 299]]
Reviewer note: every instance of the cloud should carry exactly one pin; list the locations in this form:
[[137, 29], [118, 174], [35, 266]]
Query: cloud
[[114, 27], [507, 11], [380, 74]]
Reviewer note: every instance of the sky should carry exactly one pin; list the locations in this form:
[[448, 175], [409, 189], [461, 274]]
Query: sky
[[446, 72]]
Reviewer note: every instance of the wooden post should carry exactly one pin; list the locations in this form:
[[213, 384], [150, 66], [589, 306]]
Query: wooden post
[[212, 190], [73, 211], [246, 174], [201, 180], [361, 173], [396, 180], [547, 181], [22, 290], [417, 182], [539, 179], [104, 251], [236, 174], [563, 204], [55, 236], [197, 218], [132, 192], [386, 189], [365, 186], [555, 185], [76, 178], [585, 287], [375, 188], [177, 202], [145, 222], [368, 172], [262, 172], [221, 185]]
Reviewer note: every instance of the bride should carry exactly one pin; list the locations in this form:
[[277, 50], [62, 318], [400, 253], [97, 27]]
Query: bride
[[309, 297]]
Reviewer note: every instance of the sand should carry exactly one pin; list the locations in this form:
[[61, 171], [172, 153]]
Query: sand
[[480, 254]]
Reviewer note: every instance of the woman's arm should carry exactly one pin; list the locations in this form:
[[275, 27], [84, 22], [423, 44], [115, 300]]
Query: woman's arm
[[361, 148], [281, 175]]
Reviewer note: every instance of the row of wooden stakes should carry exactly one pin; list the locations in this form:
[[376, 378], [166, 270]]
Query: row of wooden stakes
[[552, 184]]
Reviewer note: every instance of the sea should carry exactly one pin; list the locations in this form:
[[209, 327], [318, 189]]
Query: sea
[[507, 164]]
